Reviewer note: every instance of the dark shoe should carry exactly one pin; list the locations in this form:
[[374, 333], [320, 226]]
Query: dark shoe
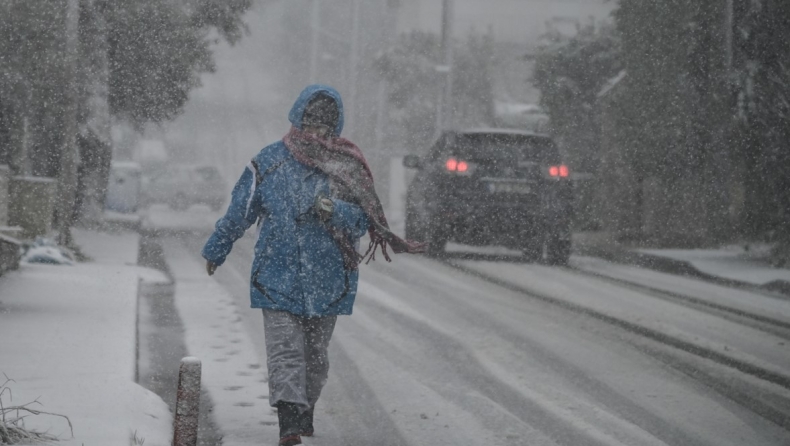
[[290, 440], [288, 416], [306, 423]]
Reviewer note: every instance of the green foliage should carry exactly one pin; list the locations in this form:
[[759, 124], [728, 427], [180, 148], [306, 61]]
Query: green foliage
[[31, 47], [415, 85], [155, 57], [674, 53], [158, 49], [658, 41], [570, 72], [674, 117], [473, 103], [674, 50], [762, 61], [222, 15]]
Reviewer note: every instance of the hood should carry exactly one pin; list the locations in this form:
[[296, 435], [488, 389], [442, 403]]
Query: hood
[[311, 91]]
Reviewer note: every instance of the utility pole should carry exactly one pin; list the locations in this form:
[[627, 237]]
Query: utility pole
[[447, 44], [354, 61], [67, 177], [729, 23], [444, 103], [315, 28], [96, 158], [388, 31]]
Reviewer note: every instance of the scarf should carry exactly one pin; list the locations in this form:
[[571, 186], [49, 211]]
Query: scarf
[[344, 163]]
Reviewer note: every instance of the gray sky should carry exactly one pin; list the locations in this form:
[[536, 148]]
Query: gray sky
[[243, 105]]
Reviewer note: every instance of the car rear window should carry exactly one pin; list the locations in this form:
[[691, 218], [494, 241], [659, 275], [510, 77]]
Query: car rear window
[[502, 148]]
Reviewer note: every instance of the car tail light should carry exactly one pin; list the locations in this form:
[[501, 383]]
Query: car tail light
[[559, 171], [459, 167]]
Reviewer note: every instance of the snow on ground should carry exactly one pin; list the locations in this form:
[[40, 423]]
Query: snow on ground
[[118, 248], [698, 328], [759, 304], [418, 321], [68, 339], [232, 374], [121, 218], [196, 218], [729, 263], [457, 248], [397, 387]]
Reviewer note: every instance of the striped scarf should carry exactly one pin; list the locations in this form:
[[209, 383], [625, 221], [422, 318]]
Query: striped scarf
[[344, 163]]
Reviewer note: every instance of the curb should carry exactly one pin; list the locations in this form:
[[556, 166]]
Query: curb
[[674, 266]]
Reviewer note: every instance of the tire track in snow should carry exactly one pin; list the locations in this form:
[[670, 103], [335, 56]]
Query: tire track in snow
[[661, 419], [723, 386], [773, 376], [766, 323], [565, 419], [350, 382]]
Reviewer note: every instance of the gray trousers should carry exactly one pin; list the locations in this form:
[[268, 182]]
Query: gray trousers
[[296, 355]]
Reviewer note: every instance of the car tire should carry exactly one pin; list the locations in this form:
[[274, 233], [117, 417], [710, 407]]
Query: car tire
[[558, 251], [411, 231], [436, 241], [533, 250]]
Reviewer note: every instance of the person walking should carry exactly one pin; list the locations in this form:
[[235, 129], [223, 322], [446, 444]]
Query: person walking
[[312, 197]]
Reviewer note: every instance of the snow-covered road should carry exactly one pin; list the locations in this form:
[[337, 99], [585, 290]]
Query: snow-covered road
[[733, 342], [477, 352]]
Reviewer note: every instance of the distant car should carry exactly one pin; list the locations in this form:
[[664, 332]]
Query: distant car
[[492, 187], [181, 186]]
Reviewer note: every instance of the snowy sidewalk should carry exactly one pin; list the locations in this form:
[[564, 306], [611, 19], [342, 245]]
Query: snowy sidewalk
[[232, 374], [68, 340]]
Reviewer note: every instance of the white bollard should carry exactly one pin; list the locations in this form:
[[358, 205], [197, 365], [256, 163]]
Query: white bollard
[[185, 423]]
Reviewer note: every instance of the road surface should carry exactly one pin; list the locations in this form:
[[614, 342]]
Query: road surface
[[488, 350]]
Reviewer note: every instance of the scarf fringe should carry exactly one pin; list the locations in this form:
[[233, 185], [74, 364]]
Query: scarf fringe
[[360, 181], [376, 241]]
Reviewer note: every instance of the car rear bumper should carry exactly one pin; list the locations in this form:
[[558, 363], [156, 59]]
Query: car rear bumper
[[507, 224]]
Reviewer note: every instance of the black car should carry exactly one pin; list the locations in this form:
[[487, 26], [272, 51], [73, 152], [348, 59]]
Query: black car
[[492, 187]]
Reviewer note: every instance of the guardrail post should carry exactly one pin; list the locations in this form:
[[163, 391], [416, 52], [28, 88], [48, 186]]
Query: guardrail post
[[185, 423]]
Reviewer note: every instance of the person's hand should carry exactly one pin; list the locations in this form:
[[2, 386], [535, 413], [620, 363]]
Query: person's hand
[[210, 268], [324, 207]]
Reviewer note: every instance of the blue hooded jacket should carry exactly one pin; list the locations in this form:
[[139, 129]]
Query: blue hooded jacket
[[297, 265]]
